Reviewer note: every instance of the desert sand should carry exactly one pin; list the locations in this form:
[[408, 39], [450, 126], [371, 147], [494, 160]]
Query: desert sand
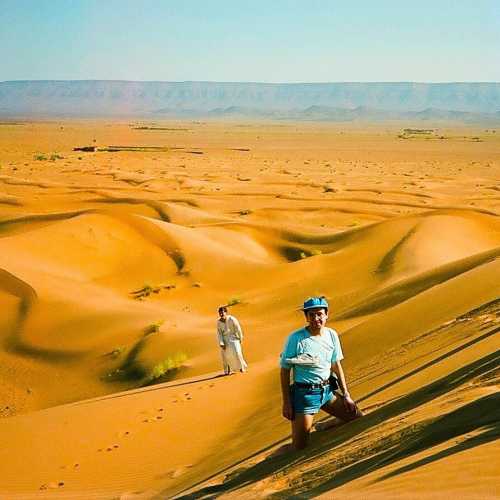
[[113, 263]]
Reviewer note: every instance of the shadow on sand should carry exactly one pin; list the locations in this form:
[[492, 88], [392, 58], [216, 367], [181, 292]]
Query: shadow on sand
[[482, 414], [15, 341]]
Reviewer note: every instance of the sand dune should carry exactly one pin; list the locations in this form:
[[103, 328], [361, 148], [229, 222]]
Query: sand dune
[[112, 265]]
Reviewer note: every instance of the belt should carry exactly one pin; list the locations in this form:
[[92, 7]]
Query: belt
[[319, 385]]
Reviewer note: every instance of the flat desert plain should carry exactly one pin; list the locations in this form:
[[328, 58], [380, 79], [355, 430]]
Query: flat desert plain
[[113, 264]]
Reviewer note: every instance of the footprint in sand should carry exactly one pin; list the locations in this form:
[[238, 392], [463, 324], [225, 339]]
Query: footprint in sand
[[74, 466], [52, 486], [173, 473], [182, 399], [153, 419], [156, 417]]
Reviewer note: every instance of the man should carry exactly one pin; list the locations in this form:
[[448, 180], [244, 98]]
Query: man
[[230, 336], [314, 354]]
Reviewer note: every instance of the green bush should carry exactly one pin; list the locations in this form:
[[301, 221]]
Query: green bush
[[153, 327], [159, 370], [234, 301], [116, 352], [145, 291]]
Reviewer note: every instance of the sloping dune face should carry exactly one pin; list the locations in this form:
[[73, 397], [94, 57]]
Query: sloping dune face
[[113, 264]]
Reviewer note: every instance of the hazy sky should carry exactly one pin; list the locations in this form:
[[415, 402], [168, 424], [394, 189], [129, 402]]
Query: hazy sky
[[264, 41]]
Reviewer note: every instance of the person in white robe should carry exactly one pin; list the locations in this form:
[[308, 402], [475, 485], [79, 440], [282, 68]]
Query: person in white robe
[[230, 336]]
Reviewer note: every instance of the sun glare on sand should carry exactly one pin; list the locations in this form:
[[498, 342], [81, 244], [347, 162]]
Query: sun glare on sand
[[113, 263]]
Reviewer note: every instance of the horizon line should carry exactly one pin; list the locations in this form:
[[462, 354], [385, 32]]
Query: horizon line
[[253, 82]]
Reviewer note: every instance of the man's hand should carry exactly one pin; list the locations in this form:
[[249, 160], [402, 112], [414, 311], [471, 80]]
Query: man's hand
[[288, 410], [349, 403]]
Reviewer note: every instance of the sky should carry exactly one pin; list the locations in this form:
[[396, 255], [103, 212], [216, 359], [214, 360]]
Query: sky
[[257, 41]]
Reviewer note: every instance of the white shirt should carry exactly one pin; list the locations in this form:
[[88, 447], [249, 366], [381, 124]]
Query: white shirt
[[229, 330]]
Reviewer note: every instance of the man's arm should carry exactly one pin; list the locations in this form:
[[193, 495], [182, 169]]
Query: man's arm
[[220, 337], [337, 369], [285, 393], [339, 372], [237, 329]]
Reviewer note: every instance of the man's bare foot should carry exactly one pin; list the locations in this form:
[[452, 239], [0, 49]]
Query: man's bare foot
[[286, 448], [328, 424]]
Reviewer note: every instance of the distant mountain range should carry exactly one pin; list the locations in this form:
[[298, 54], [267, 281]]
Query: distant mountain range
[[460, 102]]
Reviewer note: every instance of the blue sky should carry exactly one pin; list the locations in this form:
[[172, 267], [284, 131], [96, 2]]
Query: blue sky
[[264, 41]]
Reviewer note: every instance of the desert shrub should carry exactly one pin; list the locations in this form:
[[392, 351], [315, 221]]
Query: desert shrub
[[40, 157], [148, 289], [55, 156], [153, 327], [145, 291], [233, 301], [116, 352], [173, 362], [304, 254]]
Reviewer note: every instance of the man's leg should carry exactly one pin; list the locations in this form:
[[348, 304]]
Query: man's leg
[[301, 428], [337, 408], [239, 356], [225, 364]]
